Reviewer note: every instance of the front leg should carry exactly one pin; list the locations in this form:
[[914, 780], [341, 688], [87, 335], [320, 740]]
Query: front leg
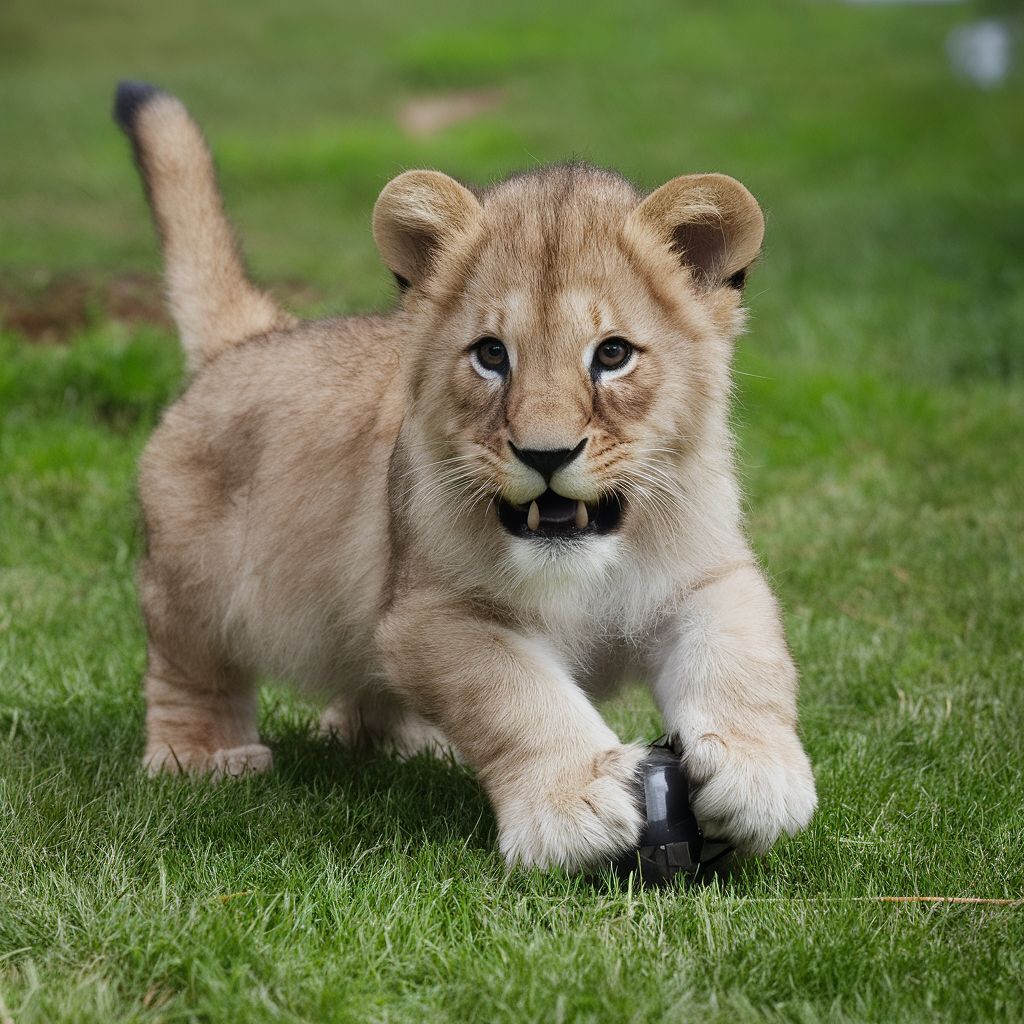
[[561, 784], [726, 686]]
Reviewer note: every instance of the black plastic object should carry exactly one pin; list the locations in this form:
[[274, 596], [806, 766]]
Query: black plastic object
[[671, 842]]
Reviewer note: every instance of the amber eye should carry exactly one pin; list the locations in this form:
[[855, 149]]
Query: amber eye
[[611, 354], [492, 355]]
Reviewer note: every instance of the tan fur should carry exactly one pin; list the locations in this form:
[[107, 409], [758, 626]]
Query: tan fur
[[319, 504], [212, 300]]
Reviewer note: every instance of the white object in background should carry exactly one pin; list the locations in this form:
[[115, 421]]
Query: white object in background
[[981, 51]]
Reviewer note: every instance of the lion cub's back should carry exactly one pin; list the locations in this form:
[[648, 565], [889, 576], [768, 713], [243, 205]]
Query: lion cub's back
[[264, 489]]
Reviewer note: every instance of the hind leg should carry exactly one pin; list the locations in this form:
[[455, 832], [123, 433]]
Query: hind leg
[[201, 719], [368, 719], [201, 710]]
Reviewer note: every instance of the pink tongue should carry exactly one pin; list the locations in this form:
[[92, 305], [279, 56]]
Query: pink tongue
[[556, 509]]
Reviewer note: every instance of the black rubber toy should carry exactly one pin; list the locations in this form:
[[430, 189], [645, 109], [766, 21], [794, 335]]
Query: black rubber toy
[[671, 842]]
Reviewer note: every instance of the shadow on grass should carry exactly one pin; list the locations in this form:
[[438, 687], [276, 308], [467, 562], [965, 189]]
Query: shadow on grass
[[76, 770], [430, 797]]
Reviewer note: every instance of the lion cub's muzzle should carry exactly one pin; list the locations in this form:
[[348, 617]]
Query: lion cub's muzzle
[[552, 516]]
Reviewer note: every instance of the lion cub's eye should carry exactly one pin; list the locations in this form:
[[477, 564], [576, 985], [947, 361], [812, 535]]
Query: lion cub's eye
[[612, 354], [491, 356]]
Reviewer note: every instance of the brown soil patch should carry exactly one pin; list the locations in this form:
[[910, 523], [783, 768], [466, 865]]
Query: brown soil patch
[[51, 308], [430, 115]]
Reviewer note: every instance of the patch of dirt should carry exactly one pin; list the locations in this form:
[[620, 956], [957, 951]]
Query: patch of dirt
[[427, 116], [53, 308]]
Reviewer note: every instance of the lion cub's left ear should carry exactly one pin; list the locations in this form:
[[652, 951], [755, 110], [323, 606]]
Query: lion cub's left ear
[[418, 216], [711, 221]]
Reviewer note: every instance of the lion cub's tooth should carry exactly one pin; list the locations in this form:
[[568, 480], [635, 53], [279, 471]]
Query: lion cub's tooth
[[533, 516], [581, 516]]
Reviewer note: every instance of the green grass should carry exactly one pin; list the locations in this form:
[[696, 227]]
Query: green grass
[[880, 411]]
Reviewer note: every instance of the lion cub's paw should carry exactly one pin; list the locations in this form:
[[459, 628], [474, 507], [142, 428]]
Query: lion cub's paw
[[232, 762], [571, 815], [749, 791], [399, 732]]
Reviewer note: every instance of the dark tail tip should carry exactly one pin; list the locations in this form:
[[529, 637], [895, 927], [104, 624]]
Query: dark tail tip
[[129, 99]]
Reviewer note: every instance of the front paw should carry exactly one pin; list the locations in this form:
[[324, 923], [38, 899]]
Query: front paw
[[749, 790], [572, 815]]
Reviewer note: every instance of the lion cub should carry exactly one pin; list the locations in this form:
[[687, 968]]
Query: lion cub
[[464, 519]]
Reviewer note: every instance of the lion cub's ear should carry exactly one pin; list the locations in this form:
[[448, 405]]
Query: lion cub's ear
[[711, 221], [418, 215]]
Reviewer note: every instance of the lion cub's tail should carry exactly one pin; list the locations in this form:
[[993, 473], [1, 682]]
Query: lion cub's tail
[[212, 300]]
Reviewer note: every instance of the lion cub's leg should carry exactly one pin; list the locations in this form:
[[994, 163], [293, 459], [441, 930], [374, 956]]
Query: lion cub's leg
[[200, 719], [378, 719], [726, 686], [560, 782]]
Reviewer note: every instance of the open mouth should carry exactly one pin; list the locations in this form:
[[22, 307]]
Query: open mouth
[[552, 516]]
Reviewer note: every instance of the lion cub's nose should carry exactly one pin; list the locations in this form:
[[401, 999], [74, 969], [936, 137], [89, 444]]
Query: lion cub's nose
[[547, 460]]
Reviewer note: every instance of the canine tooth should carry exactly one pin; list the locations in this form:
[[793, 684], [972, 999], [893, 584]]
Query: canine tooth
[[533, 516], [581, 516]]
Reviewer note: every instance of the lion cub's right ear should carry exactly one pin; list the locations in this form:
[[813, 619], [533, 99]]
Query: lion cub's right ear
[[417, 216], [712, 224]]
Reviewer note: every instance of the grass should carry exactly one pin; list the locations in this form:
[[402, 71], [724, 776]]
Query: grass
[[880, 412]]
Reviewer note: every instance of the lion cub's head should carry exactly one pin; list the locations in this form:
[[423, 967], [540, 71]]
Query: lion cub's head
[[571, 341]]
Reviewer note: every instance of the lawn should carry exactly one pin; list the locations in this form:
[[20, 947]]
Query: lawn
[[880, 411]]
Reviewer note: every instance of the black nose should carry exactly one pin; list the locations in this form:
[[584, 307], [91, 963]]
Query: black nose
[[547, 460]]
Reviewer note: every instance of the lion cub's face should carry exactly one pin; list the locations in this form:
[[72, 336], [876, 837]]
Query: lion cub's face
[[568, 352]]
